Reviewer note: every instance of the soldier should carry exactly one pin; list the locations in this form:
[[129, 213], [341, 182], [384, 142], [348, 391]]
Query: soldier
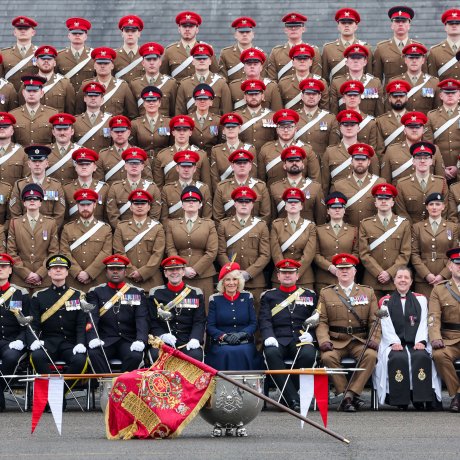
[[118, 98], [283, 311], [58, 91], [181, 127], [333, 238], [5, 197], [453, 205], [279, 61], [142, 240], [413, 189], [32, 126], [17, 58], [313, 209], [8, 94], [177, 59], [431, 239], [127, 64], [224, 201], [120, 317], [13, 159], [358, 185], [91, 128], [85, 165], [384, 241], [86, 241], [245, 239], [221, 168], [184, 327], [150, 131], [443, 328], [294, 238], [442, 61], [32, 238], [356, 57], [118, 206], [53, 202], [257, 127], [347, 310], [12, 335], [269, 162], [333, 62], [152, 54], [60, 323], [74, 62], [397, 161], [171, 203]]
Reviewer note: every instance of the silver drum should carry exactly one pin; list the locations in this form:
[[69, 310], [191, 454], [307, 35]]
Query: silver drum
[[230, 408], [105, 385]]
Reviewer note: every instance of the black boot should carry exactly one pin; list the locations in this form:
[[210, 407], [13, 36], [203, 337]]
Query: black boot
[[2, 400]]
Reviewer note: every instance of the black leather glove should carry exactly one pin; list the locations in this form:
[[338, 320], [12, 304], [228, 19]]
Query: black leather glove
[[232, 339], [437, 344], [242, 335], [326, 346], [373, 345]]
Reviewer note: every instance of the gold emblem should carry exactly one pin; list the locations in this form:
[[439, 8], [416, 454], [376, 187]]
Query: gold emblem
[[421, 375], [399, 377]]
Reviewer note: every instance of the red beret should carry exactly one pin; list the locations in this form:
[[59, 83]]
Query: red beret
[[345, 260], [244, 193], [45, 50], [116, 260], [7, 119], [231, 119], [349, 116], [356, 49], [78, 24], [93, 88], [414, 49], [384, 190], [140, 195], [23, 21], [301, 50], [119, 121], [240, 155], [351, 86], [249, 86], [293, 194], [414, 118], [131, 21], [134, 153], [288, 265], [347, 13], [186, 158], [85, 194], [244, 23], [294, 18], [422, 148], [103, 53], [173, 261], [84, 154], [449, 85], [252, 55], [62, 119], [6, 259], [188, 17], [151, 49], [202, 49], [361, 149], [181, 121], [284, 116], [398, 86], [311, 85], [227, 268], [293, 152], [450, 15]]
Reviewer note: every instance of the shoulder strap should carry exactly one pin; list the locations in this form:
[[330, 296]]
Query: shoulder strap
[[129, 67], [351, 309], [288, 300], [243, 232], [181, 67], [10, 154], [402, 168], [115, 298], [393, 135], [336, 68], [54, 308], [362, 192], [108, 95], [18, 66], [446, 125], [62, 161], [311, 123], [57, 78], [139, 237], [75, 69], [251, 121], [86, 236], [94, 129], [284, 69], [295, 236], [387, 234], [341, 167]]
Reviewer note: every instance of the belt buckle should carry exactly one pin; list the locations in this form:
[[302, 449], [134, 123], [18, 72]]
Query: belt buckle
[[349, 330]]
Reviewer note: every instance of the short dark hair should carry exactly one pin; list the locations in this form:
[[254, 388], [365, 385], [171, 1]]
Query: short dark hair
[[405, 268]]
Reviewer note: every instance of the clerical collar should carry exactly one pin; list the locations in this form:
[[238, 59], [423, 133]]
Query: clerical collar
[[175, 288], [115, 286], [403, 296], [288, 289], [230, 298], [5, 287]]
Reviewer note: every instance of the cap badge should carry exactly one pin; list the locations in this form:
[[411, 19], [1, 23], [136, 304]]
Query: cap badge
[[347, 13], [251, 53], [230, 117], [130, 21], [244, 21], [188, 16], [360, 149], [187, 156], [413, 118], [37, 151], [84, 195], [76, 23], [384, 188], [398, 85], [93, 86], [61, 119], [139, 193], [252, 85], [181, 120], [21, 21], [348, 115], [82, 155], [103, 53], [244, 192]]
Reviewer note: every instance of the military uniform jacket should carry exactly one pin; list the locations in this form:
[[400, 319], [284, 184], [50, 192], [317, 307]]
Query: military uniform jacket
[[410, 202], [29, 131], [148, 139], [302, 249], [146, 255], [117, 197], [5, 194], [100, 140], [189, 317], [8, 96], [66, 173], [65, 62], [453, 205], [440, 55], [286, 325], [207, 136], [387, 124], [333, 313], [429, 248], [260, 132], [198, 247], [222, 102], [272, 97], [252, 251], [387, 256], [229, 58], [123, 60], [272, 150], [11, 57], [15, 167], [66, 326], [128, 319], [10, 329]]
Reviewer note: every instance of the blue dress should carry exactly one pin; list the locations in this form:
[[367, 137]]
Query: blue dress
[[225, 316]]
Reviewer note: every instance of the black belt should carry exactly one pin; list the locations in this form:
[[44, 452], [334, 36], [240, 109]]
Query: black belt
[[452, 326], [348, 330]]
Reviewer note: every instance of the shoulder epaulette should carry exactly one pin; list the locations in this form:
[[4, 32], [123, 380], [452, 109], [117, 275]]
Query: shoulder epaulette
[[154, 289]]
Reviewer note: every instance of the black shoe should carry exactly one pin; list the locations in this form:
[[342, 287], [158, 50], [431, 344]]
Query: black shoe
[[347, 405], [403, 407], [294, 405], [418, 405], [358, 402], [455, 404], [2, 400]]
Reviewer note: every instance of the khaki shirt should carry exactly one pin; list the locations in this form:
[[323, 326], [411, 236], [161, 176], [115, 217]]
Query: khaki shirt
[[65, 62]]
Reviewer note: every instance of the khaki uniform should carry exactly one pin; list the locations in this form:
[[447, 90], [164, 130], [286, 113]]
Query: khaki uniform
[[30, 248], [15, 167], [444, 309], [5, 194], [146, 255], [364, 207], [101, 139], [279, 57], [439, 55], [222, 102], [410, 202], [53, 205], [151, 140], [313, 209], [260, 132], [11, 57], [207, 136], [168, 86], [118, 197], [89, 255], [229, 58], [29, 131], [65, 62], [262, 205], [387, 256], [368, 134], [165, 157], [334, 314], [453, 205], [8, 96], [170, 196], [121, 102], [387, 124], [272, 97], [66, 173], [429, 252], [123, 60], [371, 100], [302, 249], [289, 89]]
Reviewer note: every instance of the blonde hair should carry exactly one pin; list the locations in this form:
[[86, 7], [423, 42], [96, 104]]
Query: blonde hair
[[233, 273]]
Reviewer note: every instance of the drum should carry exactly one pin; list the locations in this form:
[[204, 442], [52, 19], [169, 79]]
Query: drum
[[230, 409]]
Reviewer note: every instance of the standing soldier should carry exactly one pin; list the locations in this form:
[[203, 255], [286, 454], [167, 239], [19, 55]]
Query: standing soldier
[[86, 241], [384, 241], [75, 62], [279, 61], [8, 94]]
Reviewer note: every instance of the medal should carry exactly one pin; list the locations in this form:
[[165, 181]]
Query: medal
[[214, 130], [45, 235], [106, 132], [323, 125]]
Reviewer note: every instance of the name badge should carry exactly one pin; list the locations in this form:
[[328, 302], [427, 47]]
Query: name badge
[[15, 305], [323, 125], [51, 195], [214, 130], [106, 132], [73, 305], [427, 92]]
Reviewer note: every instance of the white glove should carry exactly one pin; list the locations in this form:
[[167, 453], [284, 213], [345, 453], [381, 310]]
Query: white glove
[[169, 339], [79, 348], [246, 275], [36, 345], [137, 346], [17, 345], [163, 314], [306, 337], [192, 344], [94, 343], [271, 342]]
